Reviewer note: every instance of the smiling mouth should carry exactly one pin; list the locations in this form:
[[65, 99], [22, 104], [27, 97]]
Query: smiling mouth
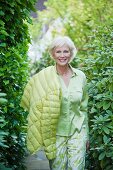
[[62, 60]]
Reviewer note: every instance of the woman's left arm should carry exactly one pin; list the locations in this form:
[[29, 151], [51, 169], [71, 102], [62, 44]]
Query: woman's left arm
[[84, 109]]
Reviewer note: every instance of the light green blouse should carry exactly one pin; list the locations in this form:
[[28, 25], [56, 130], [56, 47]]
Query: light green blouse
[[74, 104]]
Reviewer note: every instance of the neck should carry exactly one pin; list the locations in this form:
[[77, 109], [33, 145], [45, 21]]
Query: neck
[[63, 70]]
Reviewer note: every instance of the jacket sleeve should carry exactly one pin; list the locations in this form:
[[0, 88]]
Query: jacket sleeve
[[83, 108]]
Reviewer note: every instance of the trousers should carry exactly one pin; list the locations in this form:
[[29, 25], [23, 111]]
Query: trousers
[[71, 152]]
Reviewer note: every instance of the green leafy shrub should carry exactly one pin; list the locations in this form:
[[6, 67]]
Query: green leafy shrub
[[14, 39], [14, 75], [3, 133], [99, 69], [77, 19]]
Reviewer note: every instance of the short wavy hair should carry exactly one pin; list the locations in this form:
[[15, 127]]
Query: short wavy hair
[[61, 41]]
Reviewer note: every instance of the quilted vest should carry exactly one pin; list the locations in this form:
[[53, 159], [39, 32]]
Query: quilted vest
[[41, 99]]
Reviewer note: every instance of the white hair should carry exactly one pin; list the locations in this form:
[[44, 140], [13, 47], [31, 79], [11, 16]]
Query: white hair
[[61, 41]]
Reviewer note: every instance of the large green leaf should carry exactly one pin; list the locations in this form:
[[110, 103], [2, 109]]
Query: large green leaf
[[102, 155]]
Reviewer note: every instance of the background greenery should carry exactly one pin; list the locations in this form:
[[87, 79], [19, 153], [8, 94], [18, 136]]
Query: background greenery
[[99, 70], [14, 39], [89, 24]]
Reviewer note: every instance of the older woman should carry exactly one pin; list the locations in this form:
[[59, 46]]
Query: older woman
[[56, 99]]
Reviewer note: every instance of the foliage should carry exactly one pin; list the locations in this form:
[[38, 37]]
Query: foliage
[[77, 17], [13, 28], [14, 38], [2, 167], [13, 77], [3, 134], [99, 69]]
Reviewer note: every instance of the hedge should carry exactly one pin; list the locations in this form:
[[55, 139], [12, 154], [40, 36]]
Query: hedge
[[14, 37], [99, 70]]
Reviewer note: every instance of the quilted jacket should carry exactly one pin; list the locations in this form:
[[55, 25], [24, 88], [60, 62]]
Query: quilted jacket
[[41, 99]]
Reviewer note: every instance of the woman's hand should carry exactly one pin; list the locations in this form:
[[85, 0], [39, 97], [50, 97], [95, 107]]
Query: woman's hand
[[87, 146]]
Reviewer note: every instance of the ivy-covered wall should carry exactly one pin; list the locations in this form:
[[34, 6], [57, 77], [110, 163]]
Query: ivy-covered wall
[[14, 39]]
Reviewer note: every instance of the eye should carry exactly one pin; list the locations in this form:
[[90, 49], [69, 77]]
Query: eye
[[66, 51], [58, 51]]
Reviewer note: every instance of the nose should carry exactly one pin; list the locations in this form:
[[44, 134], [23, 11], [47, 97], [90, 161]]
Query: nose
[[62, 54]]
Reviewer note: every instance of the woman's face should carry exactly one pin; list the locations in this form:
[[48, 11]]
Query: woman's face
[[62, 55]]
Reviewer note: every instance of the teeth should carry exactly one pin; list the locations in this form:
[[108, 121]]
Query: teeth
[[62, 59]]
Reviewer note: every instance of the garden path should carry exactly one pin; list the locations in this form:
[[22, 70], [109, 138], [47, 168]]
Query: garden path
[[37, 162]]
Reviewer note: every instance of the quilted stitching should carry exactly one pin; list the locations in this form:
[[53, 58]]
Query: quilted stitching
[[42, 99]]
